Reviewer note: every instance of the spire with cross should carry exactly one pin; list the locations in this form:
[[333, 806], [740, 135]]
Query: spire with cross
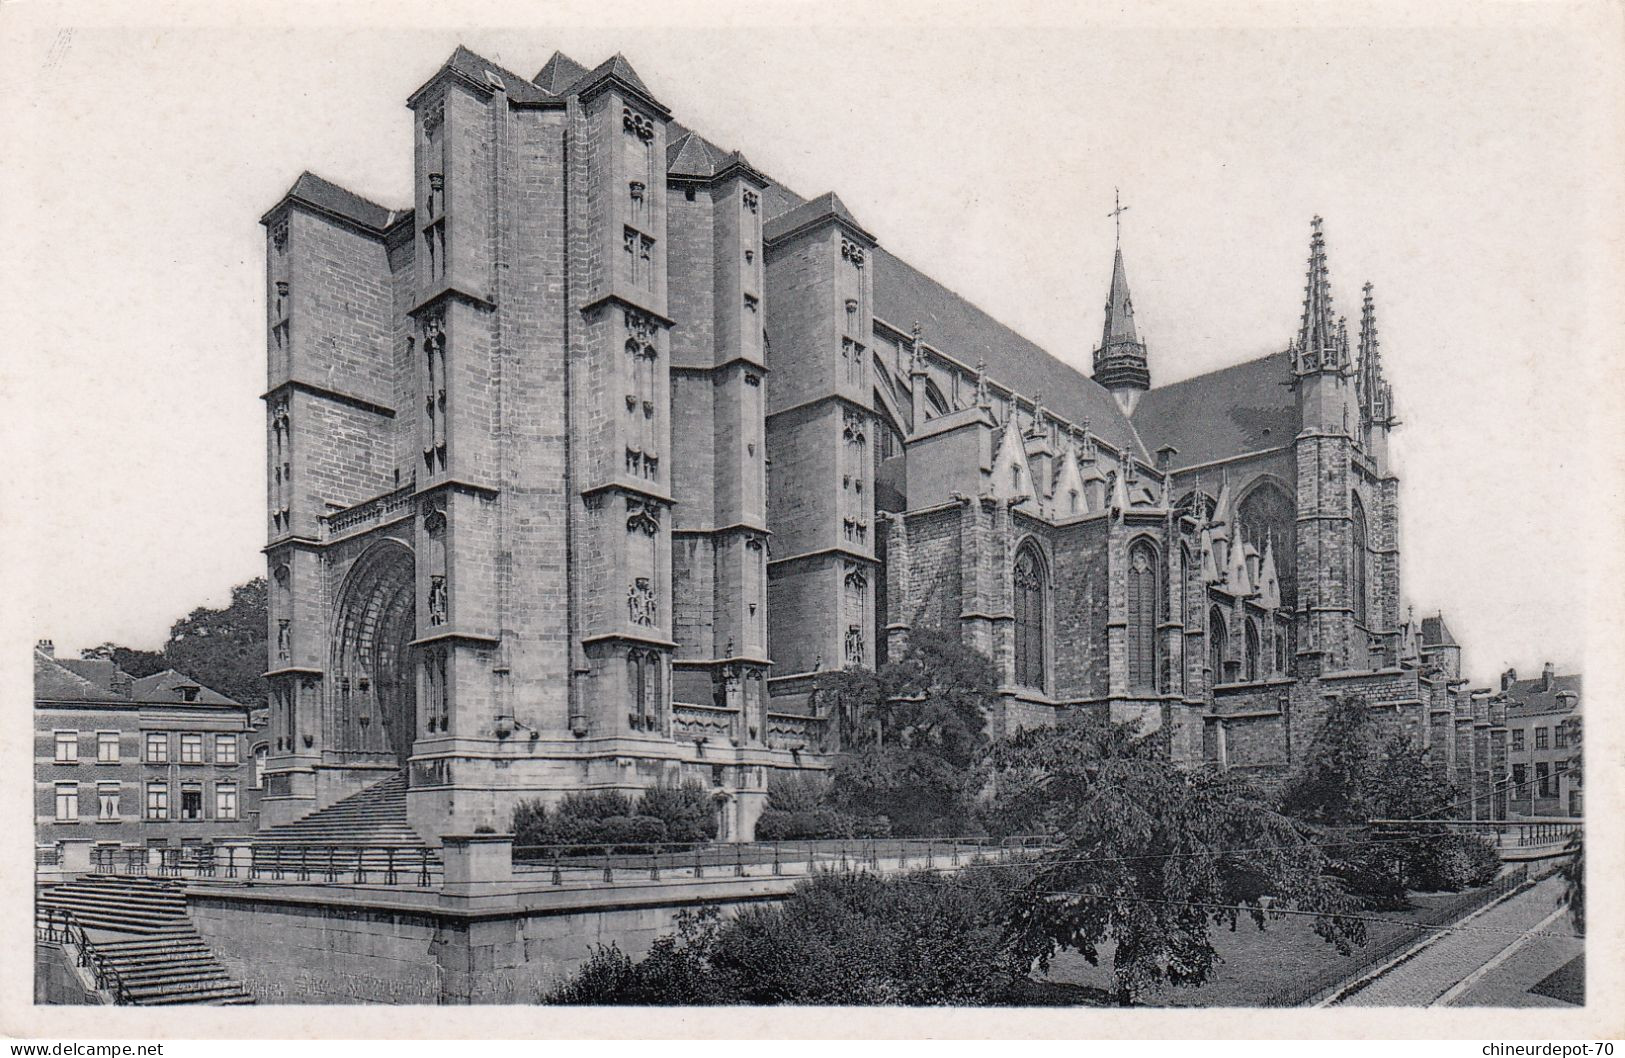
[[1117, 214]]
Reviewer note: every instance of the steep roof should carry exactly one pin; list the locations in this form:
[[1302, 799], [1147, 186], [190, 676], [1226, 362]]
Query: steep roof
[[692, 155], [1222, 414], [477, 67], [617, 67], [1119, 307], [330, 197], [167, 686], [98, 672], [54, 681], [559, 73], [903, 294], [1531, 698], [1435, 633], [825, 205]]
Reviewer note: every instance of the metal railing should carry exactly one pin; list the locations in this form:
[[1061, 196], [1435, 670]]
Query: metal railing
[[1340, 974], [336, 864], [1505, 833], [609, 864], [59, 926]]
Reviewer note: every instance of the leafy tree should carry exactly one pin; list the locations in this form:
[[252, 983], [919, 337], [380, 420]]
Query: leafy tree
[[1150, 857], [1354, 772], [847, 938], [137, 663], [224, 649], [912, 733]]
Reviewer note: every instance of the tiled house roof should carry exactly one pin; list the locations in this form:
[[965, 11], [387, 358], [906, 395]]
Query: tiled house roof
[[1222, 414]]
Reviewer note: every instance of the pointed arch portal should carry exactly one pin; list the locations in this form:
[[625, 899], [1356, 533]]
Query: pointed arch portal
[[373, 703]]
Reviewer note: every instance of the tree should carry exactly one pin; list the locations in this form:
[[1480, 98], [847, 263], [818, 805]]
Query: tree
[[912, 734], [1150, 857], [137, 663], [224, 649], [850, 938]]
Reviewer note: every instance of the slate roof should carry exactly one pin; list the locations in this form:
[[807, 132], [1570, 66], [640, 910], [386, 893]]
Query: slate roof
[[1224, 413], [904, 294], [326, 195], [692, 155], [55, 682], [824, 205], [475, 67], [615, 66], [166, 686], [558, 74], [1435, 633], [1529, 698], [91, 680]]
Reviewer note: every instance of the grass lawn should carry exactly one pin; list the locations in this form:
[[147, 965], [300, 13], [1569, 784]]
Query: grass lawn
[[1253, 963]]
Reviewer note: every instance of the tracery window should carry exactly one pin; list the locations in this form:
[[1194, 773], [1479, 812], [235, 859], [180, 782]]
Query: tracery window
[[1250, 672], [1357, 568], [1029, 604], [1218, 642], [1142, 617]]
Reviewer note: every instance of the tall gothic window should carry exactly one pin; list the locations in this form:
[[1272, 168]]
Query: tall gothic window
[[1357, 570], [1252, 644], [1267, 516], [1029, 584], [1142, 617], [1218, 642]]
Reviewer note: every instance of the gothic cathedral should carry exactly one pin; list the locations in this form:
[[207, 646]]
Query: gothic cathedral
[[585, 464]]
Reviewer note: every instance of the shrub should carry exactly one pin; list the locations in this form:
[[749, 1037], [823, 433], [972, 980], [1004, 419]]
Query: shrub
[[798, 793], [1450, 862], [684, 810]]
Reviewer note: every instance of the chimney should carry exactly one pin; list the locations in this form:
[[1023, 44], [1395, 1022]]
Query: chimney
[[1546, 675], [1508, 678], [1165, 457], [122, 684], [46, 647]]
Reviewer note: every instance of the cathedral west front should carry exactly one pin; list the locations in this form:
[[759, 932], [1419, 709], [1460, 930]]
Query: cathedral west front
[[584, 463]]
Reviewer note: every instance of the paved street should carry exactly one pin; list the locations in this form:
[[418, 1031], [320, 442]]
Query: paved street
[[1485, 964]]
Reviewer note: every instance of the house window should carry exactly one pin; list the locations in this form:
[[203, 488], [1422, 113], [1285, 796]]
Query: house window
[[1517, 739], [107, 747], [1142, 617], [225, 749], [225, 800], [1540, 738], [191, 749], [107, 795], [67, 747], [1560, 737], [1543, 779], [1029, 585], [157, 747], [67, 802], [192, 801], [1520, 776], [157, 800]]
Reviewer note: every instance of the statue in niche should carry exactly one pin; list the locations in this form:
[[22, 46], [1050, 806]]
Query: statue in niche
[[284, 639], [640, 602], [437, 600]]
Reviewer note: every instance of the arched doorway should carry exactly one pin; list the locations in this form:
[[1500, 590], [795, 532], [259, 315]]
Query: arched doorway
[[373, 710]]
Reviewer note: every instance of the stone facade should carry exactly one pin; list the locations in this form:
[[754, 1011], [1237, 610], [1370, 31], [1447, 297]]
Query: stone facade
[[585, 464]]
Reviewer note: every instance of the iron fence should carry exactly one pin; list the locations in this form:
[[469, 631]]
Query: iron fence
[[54, 925], [587, 863]]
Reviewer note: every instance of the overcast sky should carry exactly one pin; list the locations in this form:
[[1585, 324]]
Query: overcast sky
[[1456, 168]]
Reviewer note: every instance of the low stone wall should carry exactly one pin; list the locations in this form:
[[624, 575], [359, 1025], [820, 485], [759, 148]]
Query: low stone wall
[[309, 945], [57, 982]]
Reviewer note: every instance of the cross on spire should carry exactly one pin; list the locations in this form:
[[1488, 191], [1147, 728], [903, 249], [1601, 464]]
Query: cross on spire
[[1117, 214]]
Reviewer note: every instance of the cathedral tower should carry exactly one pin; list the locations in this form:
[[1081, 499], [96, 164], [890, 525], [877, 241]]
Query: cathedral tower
[[1120, 362]]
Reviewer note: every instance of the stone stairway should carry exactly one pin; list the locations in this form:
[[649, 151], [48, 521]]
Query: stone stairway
[[139, 927], [367, 829]]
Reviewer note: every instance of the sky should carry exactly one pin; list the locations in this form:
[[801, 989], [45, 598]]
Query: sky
[[1456, 167]]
